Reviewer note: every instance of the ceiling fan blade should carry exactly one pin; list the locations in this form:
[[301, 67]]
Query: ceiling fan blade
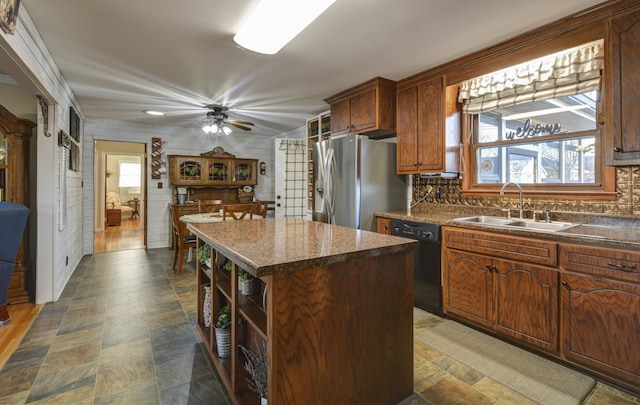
[[242, 127], [242, 122]]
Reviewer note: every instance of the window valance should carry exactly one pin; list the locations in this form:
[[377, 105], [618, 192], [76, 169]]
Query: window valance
[[571, 72]]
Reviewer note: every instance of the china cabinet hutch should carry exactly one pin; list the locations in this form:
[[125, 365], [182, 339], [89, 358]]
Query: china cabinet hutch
[[213, 177], [15, 134]]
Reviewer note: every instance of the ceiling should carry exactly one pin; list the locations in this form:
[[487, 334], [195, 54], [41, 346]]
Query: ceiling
[[121, 57]]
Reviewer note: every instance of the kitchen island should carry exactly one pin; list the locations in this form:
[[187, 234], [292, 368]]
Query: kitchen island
[[335, 308]]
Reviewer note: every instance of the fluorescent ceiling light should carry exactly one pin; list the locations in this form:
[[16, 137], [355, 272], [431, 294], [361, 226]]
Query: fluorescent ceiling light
[[273, 23], [151, 112]]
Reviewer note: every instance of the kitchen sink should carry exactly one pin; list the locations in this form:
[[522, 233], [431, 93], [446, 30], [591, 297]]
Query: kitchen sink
[[527, 224], [486, 220], [543, 226]]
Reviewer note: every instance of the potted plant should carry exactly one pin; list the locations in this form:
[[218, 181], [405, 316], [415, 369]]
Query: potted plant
[[246, 282], [227, 265], [223, 331], [256, 366], [204, 254]]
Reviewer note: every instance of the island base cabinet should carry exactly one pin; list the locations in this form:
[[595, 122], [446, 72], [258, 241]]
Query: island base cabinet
[[600, 325], [342, 334]]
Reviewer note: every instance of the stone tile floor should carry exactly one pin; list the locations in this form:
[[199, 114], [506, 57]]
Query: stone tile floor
[[123, 333]]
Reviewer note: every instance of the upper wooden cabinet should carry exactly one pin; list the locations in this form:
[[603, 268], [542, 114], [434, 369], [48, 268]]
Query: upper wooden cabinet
[[367, 109], [622, 96], [212, 172], [428, 127]]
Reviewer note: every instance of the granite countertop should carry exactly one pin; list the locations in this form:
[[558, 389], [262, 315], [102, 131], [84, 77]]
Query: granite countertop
[[593, 229], [275, 245]]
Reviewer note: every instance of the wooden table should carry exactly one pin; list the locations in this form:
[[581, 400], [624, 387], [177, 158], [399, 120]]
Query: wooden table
[[335, 308], [135, 214], [211, 217]]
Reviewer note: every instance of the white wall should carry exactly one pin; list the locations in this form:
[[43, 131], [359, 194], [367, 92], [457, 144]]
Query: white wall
[[179, 141], [25, 58]]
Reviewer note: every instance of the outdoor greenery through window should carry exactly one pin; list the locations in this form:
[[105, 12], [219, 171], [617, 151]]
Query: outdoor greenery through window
[[535, 123]]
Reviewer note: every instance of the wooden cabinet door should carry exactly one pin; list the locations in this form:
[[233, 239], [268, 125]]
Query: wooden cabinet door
[[623, 79], [407, 131], [431, 136], [383, 225], [420, 128], [340, 117], [244, 171], [363, 111], [218, 171], [600, 325], [525, 302], [187, 170], [467, 284]]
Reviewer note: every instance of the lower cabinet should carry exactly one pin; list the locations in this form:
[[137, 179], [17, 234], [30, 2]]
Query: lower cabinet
[[516, 299], [600, 306], [383, 225], [579, 303]]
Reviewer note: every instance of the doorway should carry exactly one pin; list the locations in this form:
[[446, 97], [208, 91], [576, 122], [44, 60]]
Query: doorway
[[120, 196]]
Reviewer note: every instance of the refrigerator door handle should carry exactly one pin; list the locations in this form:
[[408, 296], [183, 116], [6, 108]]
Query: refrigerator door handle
[[328, 168]]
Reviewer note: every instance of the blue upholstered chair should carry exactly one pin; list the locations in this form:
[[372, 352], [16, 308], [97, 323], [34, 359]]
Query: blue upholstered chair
[[13, 219]]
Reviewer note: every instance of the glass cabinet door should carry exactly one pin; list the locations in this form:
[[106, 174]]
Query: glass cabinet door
[[190, 170], [244, 171], [218, 171]]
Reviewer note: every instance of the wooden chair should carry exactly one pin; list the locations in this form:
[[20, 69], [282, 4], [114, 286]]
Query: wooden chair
[[261, 208], [209, 205], [237, 211], [182, 239]]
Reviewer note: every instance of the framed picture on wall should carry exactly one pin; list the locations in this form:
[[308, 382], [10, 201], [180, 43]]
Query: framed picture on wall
[[9, 15]]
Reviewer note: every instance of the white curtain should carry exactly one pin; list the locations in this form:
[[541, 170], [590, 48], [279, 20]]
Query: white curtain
[[574, 71]]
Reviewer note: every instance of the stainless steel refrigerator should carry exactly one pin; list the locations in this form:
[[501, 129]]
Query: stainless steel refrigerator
[[354, 177]]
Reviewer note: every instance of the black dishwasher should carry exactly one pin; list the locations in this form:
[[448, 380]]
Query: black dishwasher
[[427, 274]]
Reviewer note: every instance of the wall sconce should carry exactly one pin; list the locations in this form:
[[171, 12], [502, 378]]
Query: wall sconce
[[263, 168]]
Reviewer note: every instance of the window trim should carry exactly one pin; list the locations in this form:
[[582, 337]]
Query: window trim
[[602, 190]]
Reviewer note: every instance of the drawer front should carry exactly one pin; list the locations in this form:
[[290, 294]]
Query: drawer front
[[496, 245], [613, 263]]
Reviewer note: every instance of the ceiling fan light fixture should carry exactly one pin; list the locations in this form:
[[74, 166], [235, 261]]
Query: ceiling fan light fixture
[[226, 130], [273, 23]]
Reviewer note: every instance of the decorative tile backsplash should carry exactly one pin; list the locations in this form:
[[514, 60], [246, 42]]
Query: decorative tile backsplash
[[447, 191]]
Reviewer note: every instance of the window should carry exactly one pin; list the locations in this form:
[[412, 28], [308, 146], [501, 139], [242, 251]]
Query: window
[[536, 124], [129, 175], [550, 141]]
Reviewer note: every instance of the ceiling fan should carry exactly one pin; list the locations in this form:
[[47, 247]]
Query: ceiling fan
[[217, 121]]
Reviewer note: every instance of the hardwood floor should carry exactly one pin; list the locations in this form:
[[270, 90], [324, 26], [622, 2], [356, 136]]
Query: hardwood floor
[[22, 316], [128, 235]]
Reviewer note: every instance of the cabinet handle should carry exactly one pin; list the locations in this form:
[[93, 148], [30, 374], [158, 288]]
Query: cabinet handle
[[564, 283], [617, 149], [621, 267], [490, 267]]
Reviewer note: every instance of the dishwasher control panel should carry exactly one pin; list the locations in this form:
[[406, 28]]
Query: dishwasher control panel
[[416, 230]]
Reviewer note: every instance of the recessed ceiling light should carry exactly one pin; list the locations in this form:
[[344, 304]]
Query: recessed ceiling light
[[151, 112]]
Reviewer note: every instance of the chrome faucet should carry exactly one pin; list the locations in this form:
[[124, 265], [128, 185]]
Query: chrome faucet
[[520, 190]]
